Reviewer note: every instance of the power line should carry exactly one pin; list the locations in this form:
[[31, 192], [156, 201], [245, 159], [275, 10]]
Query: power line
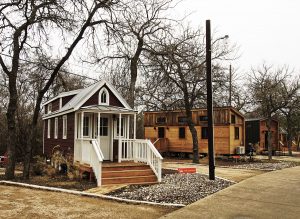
[[64, 71]]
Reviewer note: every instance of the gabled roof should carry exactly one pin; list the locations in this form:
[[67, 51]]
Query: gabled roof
[[83, 95]]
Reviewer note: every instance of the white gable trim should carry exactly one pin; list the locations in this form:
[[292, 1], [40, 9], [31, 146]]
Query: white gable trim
[[96, 88]]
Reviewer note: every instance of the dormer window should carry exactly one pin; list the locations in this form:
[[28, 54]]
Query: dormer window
[[49, 107], [103, 97]]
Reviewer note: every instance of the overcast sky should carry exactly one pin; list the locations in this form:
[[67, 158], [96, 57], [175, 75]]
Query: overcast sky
[[265, 30]]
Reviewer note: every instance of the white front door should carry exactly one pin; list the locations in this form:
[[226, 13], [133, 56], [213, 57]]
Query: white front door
[[105, 135]]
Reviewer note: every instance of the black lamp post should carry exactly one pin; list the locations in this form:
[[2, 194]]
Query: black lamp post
[[210, 128]]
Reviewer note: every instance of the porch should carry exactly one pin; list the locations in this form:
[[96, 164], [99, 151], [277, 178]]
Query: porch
[[103, 134]]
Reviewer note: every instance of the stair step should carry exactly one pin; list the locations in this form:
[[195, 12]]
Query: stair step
[[124, 180], [122, 168], [126, 173]]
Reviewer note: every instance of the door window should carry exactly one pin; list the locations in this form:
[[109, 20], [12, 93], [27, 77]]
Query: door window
[[161, 132]]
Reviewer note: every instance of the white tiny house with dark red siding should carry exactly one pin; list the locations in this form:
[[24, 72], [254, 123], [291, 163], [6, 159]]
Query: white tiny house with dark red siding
[[93, 124]]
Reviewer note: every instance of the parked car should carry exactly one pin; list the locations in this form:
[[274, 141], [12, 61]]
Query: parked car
[[3, 160]]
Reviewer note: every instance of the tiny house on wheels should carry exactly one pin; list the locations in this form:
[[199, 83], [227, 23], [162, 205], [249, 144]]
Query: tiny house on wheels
[[170, 133], [93, 126]]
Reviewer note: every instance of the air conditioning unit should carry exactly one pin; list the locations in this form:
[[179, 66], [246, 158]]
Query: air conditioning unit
[[240, 150]]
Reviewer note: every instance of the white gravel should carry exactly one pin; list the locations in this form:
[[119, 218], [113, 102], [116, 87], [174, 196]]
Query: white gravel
[[264, 165], [174, 188]]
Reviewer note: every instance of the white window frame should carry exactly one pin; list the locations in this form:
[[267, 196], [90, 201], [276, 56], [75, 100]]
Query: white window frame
[[107, 97], [89, 125], [49, 128], [55, 127], [65, 126], [123, 121]]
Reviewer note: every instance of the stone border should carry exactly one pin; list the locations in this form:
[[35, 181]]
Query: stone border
[[53, 189]]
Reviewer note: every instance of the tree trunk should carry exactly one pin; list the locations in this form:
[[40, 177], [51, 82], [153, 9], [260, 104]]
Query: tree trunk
[[11, 124], [32, 138], [269, 137], [194, 134], [289, 141]]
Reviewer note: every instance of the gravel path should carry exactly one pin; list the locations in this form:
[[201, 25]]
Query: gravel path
[[175, 188], [264, 165]]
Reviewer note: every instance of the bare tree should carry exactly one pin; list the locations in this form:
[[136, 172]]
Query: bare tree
[[178, 67], [291, 112], [266, 87], [25, 31], [140, 25]]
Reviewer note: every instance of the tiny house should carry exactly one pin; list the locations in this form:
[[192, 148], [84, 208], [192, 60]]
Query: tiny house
[[257, 134], [170, 133], [93, 126]]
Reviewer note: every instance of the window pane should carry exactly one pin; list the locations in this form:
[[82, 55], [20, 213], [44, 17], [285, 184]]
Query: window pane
[[182, 120], [181, 132], [203, 118], [236, 133], [86, 121], [204, 133], [161, 132]]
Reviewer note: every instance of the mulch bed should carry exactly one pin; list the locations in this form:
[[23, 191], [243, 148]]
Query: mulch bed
[[59, 181]]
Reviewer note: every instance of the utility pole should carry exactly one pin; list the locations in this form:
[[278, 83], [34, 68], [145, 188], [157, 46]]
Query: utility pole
[[230, 84], [211, 152]]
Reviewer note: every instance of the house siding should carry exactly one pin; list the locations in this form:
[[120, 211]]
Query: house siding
[[55, 105], [113, 100], [225, 143], [66, 99], [66, 145]]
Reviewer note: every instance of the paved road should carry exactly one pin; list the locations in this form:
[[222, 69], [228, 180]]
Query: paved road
[[271, 195]]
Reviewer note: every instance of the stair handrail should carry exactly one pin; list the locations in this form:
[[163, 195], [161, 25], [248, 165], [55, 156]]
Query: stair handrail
[[154, 150], [96, 162]]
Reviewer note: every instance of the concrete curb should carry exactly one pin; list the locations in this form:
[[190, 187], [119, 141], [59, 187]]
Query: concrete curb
[[53, 189]]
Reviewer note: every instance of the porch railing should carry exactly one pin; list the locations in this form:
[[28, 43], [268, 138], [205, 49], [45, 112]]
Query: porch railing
[[140, 150], [89, 152]]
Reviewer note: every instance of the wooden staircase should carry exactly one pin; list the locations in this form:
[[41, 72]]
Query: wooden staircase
[[128, 174]]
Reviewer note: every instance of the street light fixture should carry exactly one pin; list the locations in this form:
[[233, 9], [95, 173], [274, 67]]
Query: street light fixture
[[211, 152]]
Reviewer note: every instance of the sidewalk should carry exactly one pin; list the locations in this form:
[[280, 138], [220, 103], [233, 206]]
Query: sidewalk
[[270, 195]]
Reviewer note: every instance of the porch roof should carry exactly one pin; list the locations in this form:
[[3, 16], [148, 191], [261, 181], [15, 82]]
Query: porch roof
[[107, 109]]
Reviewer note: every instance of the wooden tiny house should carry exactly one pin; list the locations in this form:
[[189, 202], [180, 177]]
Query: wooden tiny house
[[92, 125], [169, 132], [257, 135]]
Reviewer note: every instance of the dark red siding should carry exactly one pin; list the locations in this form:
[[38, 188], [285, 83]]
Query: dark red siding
[[66, 145], [113, 100], [66, 99], [55, 105]]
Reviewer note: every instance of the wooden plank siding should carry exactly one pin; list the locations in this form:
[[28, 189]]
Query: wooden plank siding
[[94, 99], [66, 145], [224, 130]]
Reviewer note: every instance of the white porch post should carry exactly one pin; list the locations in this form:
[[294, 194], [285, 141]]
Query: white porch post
[[99, 129], [128, 122], [82, 118], [134, 126], [119, 139], [81, 133]]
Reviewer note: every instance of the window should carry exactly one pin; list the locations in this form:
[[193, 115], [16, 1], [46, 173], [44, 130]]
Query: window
[[161, 132], [236, 133], [233, 119], [204, 133], [86, 126], [122, 127], [104, 97], [65, 129], [182, 120], [49, 128], [181, 132], [49, 107], [161, 120], [103, 126], [203, 118], [55, 127]]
